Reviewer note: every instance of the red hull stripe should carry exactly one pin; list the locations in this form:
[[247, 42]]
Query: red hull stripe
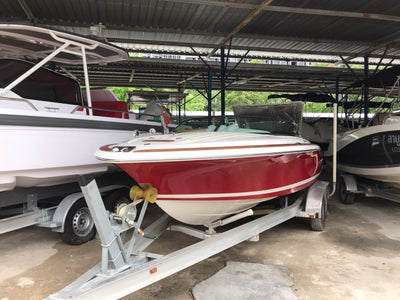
[[243, 195]]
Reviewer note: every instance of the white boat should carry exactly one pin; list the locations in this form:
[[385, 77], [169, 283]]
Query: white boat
[[372, 152], [48, 134]]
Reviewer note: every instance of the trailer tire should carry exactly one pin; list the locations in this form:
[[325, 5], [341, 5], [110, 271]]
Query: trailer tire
[[116, 198], [318, 224], [79, 225], [345, 196]]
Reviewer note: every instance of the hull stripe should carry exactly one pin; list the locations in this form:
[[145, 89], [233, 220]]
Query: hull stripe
[[232, 195], [107, 124]]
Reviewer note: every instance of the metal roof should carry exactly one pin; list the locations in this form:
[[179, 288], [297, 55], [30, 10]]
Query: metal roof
[[340, 31], [168, 73]]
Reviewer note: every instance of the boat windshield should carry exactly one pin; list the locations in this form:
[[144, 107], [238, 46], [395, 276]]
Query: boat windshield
[[282, 118], [43, 84]]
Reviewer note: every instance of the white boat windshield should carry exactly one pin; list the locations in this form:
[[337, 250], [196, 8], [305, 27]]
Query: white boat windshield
[[283, 118]]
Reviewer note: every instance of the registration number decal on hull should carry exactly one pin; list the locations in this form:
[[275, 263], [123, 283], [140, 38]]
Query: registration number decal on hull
[[394, 142]]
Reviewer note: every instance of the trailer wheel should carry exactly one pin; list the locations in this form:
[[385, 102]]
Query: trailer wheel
[[116, 198], [79, 225], [345, 196], [318, 224]]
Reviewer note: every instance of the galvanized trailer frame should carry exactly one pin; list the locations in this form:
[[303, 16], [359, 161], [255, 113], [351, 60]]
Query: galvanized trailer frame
[[126, 268], [22, 203], [60, 207], [29, 213], [351, 185]]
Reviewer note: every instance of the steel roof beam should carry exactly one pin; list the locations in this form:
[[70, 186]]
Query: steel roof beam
[[27, 11], [242, 24]]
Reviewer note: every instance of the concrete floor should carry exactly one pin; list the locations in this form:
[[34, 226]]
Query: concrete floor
[[356, 257]]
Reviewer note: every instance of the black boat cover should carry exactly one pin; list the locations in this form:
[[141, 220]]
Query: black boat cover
[[309, 97], [384, 78]]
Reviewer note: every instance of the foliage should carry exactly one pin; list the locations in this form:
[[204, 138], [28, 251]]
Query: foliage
[[195, 101], [121, 93], [316, 107], [232, 98]]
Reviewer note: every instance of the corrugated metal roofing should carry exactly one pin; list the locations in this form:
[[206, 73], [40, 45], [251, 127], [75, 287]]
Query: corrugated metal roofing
[[167, 73], [314, 30], [312, 25]]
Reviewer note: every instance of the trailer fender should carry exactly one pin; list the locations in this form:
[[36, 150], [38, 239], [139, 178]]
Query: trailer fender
[[315, 198], [350, 182], [65, 205], [62, 210]]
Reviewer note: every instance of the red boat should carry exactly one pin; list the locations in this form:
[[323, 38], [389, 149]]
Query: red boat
[[204, 176]]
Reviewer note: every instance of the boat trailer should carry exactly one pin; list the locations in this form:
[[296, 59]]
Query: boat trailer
[[61, 208], [351, 185], [126, 267]]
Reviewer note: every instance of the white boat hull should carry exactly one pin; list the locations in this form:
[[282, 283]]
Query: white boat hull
[[200, 212], [44, 156], [48, 133], [390, 176]]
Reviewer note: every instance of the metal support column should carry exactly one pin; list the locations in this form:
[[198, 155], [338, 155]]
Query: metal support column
[[179, 105], [366, 91], [209, 94], [223, 69], [334, 138]]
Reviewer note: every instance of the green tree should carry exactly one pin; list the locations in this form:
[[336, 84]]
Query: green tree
[[194, 101], [121, 93]]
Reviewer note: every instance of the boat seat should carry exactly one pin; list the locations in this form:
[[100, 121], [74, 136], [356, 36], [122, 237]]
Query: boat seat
[[221, 128], [211, 128], [120, 106]]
